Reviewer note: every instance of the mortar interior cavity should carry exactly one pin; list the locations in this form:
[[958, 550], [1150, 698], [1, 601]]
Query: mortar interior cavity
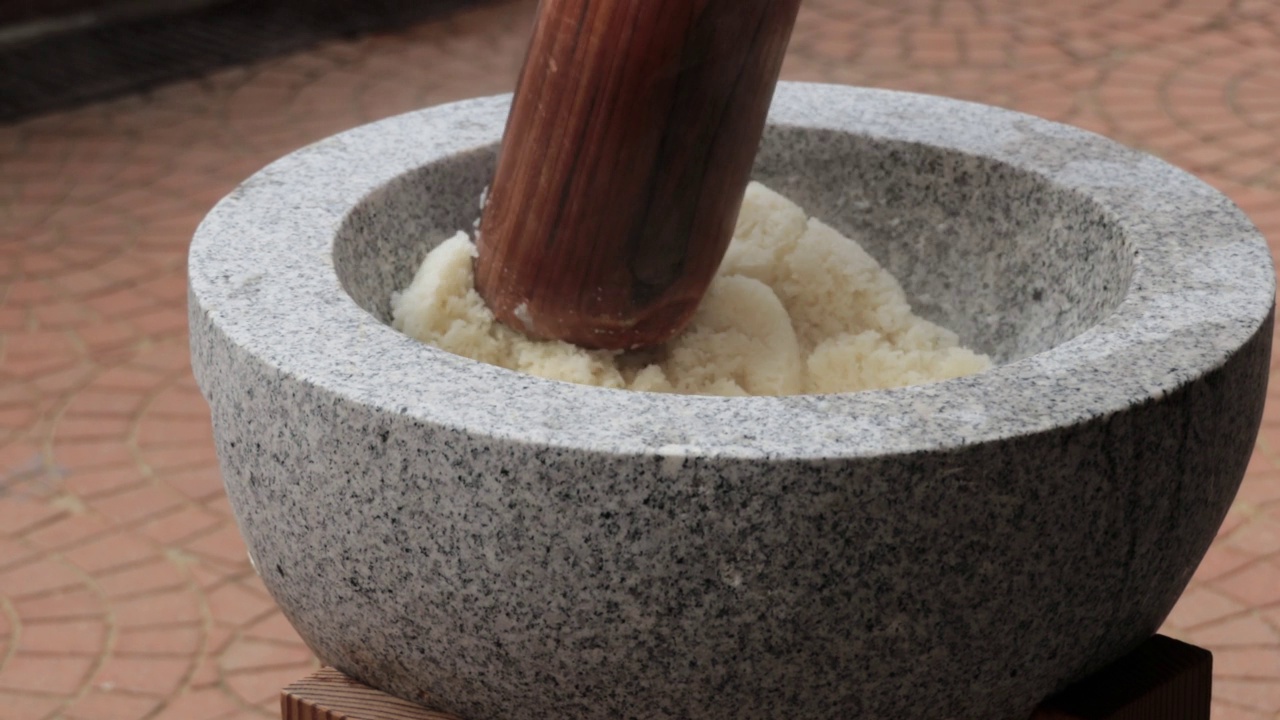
[[1010, 262]]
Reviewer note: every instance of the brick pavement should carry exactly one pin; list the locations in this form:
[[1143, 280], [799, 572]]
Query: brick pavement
[[124, 588]]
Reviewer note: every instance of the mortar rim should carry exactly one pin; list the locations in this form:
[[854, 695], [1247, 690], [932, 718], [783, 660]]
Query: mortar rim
[[1198, 322]]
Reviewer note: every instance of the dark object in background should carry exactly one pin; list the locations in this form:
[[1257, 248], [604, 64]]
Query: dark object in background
[[70, 68], [25, 11]]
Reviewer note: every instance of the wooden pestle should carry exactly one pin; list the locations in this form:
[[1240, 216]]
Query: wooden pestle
[[629, 146]]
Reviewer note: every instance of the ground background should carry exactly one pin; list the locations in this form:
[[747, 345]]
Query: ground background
[[125, 591]]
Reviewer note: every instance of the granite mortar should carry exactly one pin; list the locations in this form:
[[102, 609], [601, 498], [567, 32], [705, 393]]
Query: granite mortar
[[503, 546]]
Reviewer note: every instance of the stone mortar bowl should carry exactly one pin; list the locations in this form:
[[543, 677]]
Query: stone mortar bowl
[[506, 547]]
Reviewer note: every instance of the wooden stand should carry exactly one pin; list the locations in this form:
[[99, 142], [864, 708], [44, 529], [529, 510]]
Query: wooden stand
[[1163, 679]]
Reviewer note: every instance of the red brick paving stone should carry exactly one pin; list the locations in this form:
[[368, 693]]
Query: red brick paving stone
[[18, 516], [127, 302], [14, 393], [1223, 711], [73, 637], [110, 554], [105, 278], [148, 577], [32, 348], [95, 427], [219, 505], [178, 401], [1260, 536], [1258, 663], [13, 319], [183, 525], [203, 704], [62, 315], [1240, 631], [100, 704], [155, 676], [259, 685], [108, 336], [1249, 168], [273, 627], [210, 577], [255, 105], [146, 208], [133, 506], [129, 379], [164, 460], [1271, 509], [24, 706], [1269, 439], [70, 531], [173, 640], [1260, 695], [17, 457], [206, 673], [224, 547], [237, 605], [13, 553], [248, 654], [77, 603], [217, 639], [1260, 460], [93, 401], [198, 483], [1201, 605], [39, 578], [15, 419], [165, 431], [268, 708], [169, 288], [178, 607], [64, 379], [91, 455], [1272, 616], [1257, 584], [97, 483], [160, 322], [27, 293], [114, 356], [1200, 158], [340, 83], [171, 229], [55, 675]]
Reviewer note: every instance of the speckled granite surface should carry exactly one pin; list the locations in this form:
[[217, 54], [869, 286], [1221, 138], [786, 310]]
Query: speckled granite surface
[[510, 547]]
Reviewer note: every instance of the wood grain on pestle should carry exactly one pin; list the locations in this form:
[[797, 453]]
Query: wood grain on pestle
[[629, 145]]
